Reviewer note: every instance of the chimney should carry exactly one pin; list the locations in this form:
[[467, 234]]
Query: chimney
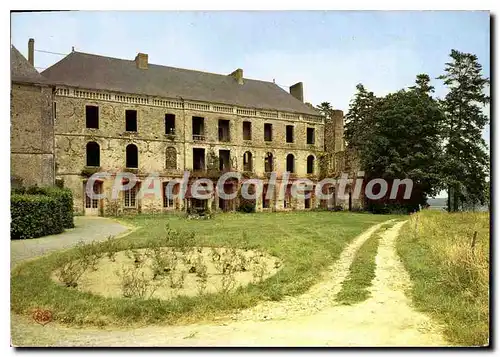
[[141, 61], [297, 90], [31, 52], [238, 75]]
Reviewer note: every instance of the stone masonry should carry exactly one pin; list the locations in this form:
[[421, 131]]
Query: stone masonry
[[52, 140]]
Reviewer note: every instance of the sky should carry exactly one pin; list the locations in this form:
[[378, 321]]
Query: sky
[[329, 51]]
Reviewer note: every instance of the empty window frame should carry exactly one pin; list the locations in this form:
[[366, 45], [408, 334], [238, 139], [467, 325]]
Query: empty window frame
[[92, 117], [247, 130], [268, 132], [93, 154], [169, 124], [289, 133], [132, 156], [310, 136], [131, 120]]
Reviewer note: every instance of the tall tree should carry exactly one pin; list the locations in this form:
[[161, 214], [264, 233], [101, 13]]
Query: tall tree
[[325, 108], [397, 137], [359, 118], [466, 163]]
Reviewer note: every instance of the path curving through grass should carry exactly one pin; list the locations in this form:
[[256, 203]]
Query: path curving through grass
[[385, 319]]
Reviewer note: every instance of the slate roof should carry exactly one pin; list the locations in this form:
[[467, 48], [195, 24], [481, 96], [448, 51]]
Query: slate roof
[[21, 70], [91, 71]]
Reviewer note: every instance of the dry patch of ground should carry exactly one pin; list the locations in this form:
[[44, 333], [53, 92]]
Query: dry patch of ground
[[106, 279]]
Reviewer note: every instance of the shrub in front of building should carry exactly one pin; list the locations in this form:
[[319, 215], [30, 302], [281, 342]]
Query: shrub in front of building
[[35, 216], [23, 211]]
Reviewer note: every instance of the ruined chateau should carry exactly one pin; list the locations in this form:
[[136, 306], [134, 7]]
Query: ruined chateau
[[89, 113]]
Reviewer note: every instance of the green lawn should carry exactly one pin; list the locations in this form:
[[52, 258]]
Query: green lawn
[[451, 279], [307, 242]]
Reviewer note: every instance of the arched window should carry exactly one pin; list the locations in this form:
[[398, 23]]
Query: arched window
[[268, 162], [247, 161], [310, 164], [132, 159], [171, 158], [290, 163], [93, 154]]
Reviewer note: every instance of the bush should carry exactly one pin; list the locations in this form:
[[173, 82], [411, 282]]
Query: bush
[[246, 206], [62, 195], [35, 216]]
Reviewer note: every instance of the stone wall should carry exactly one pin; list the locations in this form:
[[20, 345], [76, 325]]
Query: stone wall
[[32, 135], [72, 136]]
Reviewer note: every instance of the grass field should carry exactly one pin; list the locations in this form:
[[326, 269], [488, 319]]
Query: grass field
[[450, 273], [306, 242]]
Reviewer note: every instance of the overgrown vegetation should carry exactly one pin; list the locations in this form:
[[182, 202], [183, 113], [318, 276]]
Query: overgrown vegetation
[[306, 243], [437, 143], [449, 265], [135, 284], [362, 271]]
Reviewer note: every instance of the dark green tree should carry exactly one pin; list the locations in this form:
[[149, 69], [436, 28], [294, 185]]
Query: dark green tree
[[325, 108], [359, 118], [466, 162], [398, 137]]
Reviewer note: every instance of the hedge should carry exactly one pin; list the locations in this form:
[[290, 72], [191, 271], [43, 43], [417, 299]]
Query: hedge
[[35, 216], [63, 195], [40, 211]]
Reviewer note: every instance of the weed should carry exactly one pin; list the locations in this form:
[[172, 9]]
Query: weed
[[70, 271], [201, 274], [259, 267], [89, 254], [110, 246], [134, 283], [177, 279]]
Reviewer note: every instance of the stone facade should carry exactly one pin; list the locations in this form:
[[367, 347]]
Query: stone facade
[[31, 135], [72, 136], [65, 133]]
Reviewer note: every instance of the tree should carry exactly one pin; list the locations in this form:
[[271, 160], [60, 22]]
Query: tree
[[325, 108], [359, 118], [466, 163], [398, 137]]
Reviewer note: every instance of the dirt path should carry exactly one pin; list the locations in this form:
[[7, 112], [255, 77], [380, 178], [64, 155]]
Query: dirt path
[[312, 319]]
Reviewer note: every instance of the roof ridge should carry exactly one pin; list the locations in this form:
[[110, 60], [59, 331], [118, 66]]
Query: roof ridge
[[166, 66], [95, 71]]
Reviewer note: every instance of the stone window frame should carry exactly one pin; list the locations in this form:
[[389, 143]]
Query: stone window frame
[[269, 155], [313, 135], [271, 132], [293, 133], [130, 199], [250, 160], [87, 120], [167, 166], [313, 164], [98, 148], [168, 203], [127, 156], [293, 164], [127, 121]]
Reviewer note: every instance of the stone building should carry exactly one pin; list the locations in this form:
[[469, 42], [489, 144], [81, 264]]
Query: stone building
[[32, 128], [119, 115]]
